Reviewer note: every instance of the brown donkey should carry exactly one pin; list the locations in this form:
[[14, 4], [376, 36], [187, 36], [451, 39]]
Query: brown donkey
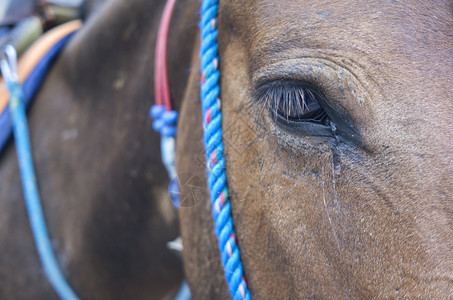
[[102, 184]]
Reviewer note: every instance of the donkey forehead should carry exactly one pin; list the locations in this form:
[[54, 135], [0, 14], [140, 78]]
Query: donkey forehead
[[390, 31]]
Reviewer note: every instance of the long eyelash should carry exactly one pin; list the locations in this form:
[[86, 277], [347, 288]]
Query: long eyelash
[[286, 97]]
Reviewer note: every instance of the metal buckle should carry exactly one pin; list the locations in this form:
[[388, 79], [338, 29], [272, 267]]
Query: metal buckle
[[8, 64]]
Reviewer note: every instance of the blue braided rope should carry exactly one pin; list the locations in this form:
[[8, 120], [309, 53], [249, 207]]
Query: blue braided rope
[[212, 121], [33, 203]]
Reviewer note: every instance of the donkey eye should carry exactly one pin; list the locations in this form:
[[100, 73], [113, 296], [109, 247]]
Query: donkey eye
[[292, 102]]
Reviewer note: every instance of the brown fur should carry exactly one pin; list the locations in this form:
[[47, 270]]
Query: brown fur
[[98, 165], [319, 218]]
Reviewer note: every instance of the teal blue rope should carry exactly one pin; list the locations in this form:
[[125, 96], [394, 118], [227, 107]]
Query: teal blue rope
[[212, 121], [30, 189]]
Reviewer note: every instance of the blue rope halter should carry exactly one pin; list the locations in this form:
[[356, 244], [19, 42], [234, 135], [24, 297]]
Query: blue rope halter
[[212, 122]]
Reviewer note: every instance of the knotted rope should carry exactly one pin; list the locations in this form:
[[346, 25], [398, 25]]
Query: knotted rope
[[212, 121]]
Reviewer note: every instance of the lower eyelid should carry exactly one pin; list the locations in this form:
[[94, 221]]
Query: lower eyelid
[[305, 128]]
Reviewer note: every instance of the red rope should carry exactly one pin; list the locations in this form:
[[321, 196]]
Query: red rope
[[161, 87]]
